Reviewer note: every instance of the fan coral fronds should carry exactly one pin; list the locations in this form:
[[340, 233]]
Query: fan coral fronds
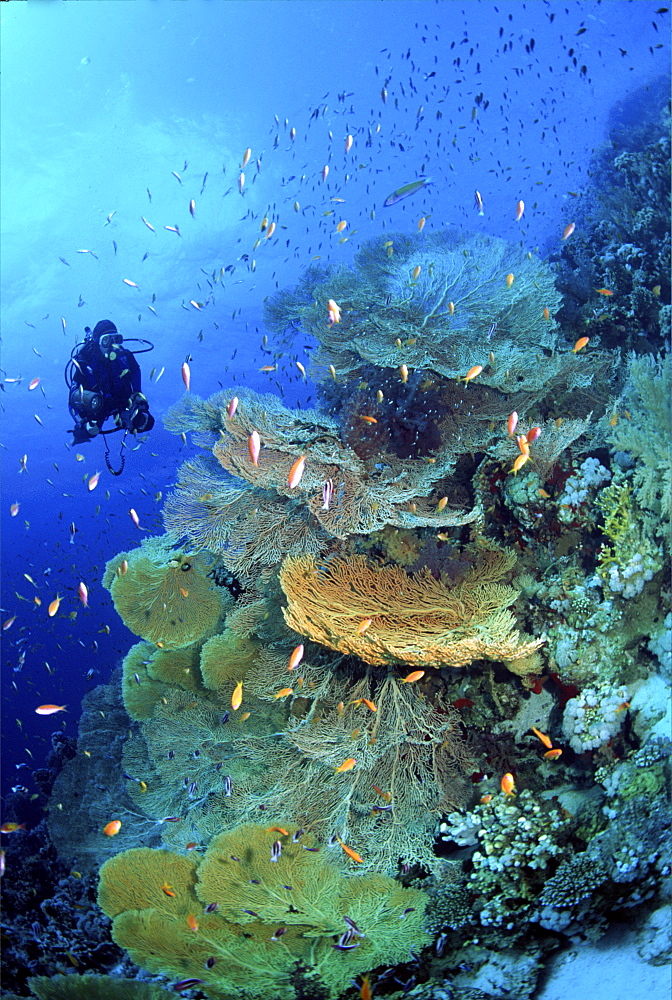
[[414, 619], [162, 595]]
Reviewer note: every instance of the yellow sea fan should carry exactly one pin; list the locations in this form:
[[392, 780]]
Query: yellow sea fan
[[415, 619]]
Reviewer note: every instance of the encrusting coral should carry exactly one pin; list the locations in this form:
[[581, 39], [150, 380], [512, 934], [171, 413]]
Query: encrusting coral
[[385, 615], [163, 595], [260, 902]]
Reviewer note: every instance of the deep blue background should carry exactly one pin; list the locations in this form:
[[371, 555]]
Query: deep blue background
[[103, 100]]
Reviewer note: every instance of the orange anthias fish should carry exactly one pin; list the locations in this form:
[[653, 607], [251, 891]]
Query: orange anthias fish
[[296, 472], [508, 785], [365, 701], [519, 463], [415, 676], [546, 740], [365, 990], [351, 854], [604, 291], [12, 827], [472, 373], [568, 230], [112, 828], [192, 923], [93, 481], [364, 625], [54, 606], [296, 657], [553, 754], [347, 765], [50, 709], [520, 208], [237, 696], [580, 344], [254, 447], [284, 692], [186, 375], [168, 889], [334, 312]]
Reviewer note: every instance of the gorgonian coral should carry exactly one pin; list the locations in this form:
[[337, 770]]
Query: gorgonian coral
[[163, 595], [258, 903], [385, 615], [441, 303]]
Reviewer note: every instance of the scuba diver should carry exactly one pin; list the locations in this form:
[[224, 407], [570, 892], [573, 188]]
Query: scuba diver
[[104, 381]]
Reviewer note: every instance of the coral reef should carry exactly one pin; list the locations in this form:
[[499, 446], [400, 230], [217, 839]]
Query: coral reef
[[384, 615], [296, 811], [195, 918]]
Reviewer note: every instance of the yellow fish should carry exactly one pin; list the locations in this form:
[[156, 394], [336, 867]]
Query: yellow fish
[[237, 696]]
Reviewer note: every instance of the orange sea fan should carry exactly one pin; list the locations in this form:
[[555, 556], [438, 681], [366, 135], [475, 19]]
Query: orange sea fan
[[415, 619]]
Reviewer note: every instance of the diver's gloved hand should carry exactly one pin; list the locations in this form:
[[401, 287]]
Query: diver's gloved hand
[[137, 418], [80, 434], [83, 432]]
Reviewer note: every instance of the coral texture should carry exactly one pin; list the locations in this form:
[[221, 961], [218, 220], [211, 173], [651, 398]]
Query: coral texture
[[258, 903], [413, 619], [162, 595]]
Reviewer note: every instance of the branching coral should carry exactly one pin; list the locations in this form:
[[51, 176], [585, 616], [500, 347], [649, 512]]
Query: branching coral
[[268, 914], [632, 559], [162, 595], [413, 619]]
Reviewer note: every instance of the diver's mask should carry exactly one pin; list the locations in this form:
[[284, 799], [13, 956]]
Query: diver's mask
[[109, 343]]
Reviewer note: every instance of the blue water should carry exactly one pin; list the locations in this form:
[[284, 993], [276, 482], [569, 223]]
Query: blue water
[[104, 103]]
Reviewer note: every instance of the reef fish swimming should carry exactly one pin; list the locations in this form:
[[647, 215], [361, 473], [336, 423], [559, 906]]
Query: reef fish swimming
[[405, 191]]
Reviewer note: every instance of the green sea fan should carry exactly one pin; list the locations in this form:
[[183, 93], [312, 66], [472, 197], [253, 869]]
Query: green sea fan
[[92, 987], [163, 595], [265, 917]]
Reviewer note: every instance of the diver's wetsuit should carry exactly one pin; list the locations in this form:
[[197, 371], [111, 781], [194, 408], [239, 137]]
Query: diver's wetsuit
[[105, 381]]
